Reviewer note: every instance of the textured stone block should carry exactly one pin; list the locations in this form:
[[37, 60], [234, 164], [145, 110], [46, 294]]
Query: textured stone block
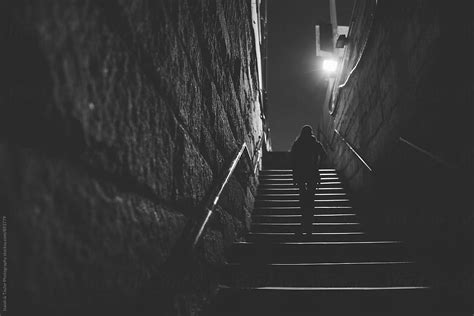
[[82, 233]]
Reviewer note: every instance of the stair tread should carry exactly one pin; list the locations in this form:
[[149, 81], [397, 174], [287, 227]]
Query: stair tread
[[290, 170], [290, 174], [320, 233], [324, 274], [335, 184], [299, 215], [298, 207], [285, 237], [291, 180], [361, 263], [323, 242], [316, 200], [297, 195], [318, 251], [354, 288], [292, 218], [401, 300], [298, 224]]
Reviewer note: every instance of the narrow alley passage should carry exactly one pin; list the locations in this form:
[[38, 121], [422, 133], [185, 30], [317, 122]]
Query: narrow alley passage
[[144, 146]]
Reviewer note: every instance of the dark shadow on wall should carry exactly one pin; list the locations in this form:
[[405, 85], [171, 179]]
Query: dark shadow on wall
[[429, 206]]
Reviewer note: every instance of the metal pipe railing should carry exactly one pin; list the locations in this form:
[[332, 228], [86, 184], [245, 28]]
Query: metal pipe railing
[[216, 193], [427, 153], [354, 151]]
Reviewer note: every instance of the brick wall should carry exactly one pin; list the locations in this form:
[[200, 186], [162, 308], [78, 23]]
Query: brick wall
[[116, 120], [414, 80]]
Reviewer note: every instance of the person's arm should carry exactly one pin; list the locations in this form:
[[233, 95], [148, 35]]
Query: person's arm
[[292, 162]]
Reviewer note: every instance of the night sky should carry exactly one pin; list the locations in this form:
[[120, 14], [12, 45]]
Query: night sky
[[296, 87]]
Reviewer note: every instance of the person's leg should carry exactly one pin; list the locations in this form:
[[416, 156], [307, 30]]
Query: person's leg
[[311, 189], [302, 189], [308, 209]]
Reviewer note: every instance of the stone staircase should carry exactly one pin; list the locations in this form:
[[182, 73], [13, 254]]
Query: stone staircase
[[338, 270]]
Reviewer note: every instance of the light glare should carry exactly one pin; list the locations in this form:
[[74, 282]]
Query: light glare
[[329, 65]]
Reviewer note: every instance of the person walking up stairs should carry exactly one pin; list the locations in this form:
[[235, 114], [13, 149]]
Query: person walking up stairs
[[336, 269]]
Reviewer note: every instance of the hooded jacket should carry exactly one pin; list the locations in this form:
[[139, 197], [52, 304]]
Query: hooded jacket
[[305, 154]]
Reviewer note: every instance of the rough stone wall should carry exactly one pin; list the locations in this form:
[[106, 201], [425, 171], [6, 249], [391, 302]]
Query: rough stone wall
[[414, 81], [117, 117]]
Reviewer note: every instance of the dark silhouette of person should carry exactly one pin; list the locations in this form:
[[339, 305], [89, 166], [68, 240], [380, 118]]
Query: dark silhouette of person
[[306, 155]]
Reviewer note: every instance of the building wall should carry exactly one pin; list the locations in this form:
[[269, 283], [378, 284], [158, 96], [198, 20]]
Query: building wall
[[413, 81], [116, 121]]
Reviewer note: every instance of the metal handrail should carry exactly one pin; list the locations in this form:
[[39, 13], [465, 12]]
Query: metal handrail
[[354, 151], [216, 194], [427, 153]]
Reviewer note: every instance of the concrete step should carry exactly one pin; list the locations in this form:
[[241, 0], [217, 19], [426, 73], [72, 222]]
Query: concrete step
[[324, 274], [387, 301], [290, 185], [325, 227], [292, 237], [295, 190], [295, 210], [296, 196], [289, 171], [326, 201], [295, 252], [323, 180], [290, 175], [297, 218]]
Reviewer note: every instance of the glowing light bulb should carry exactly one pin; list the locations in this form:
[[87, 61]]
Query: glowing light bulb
[[330, 65]]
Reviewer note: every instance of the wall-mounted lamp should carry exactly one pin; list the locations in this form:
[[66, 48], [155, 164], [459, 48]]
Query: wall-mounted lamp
[[342, 41], [330, 66]]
